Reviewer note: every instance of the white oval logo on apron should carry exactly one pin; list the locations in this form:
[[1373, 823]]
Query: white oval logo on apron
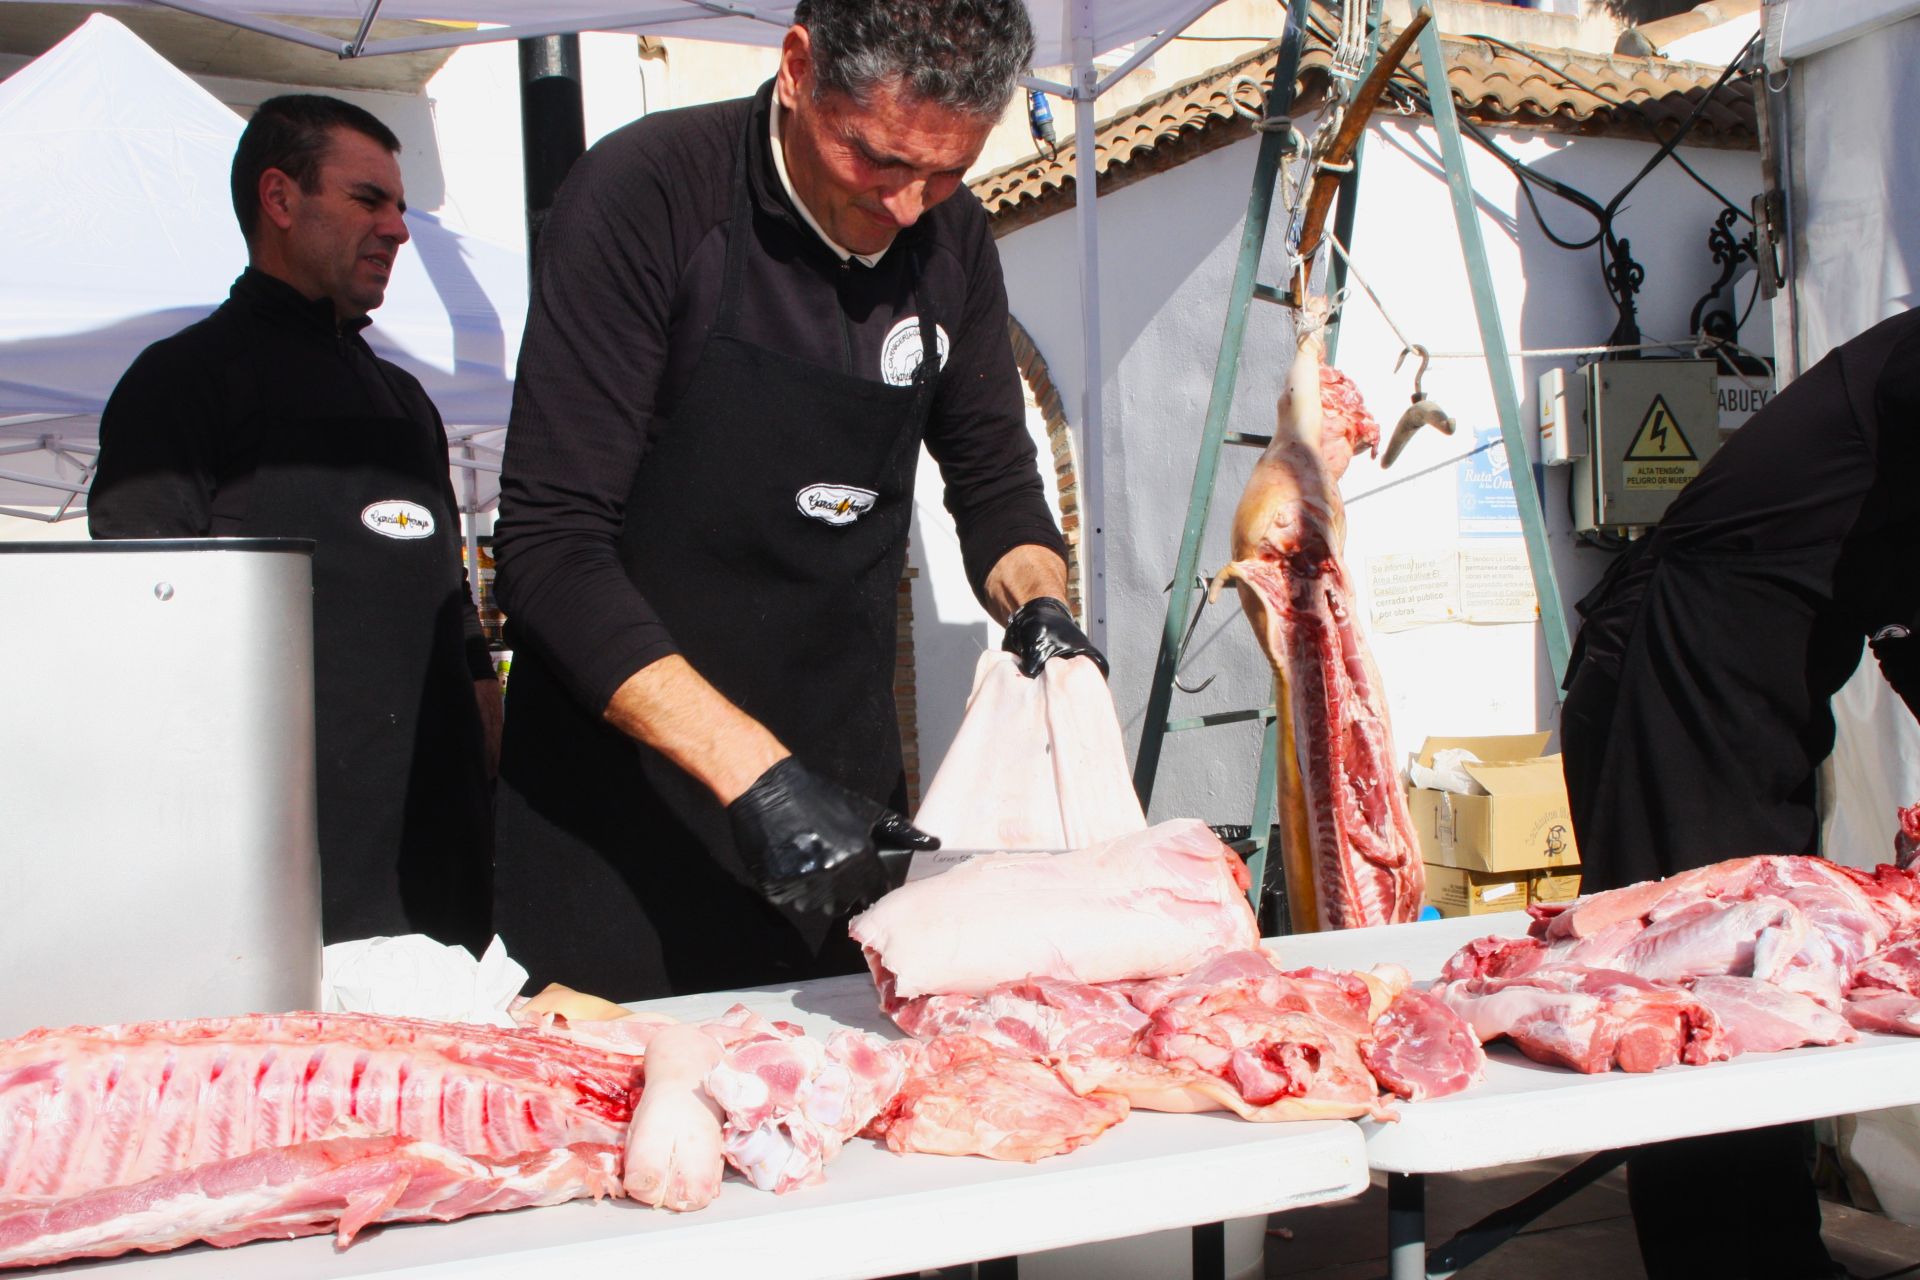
[[900, 354], [396, 519], [834, 503]]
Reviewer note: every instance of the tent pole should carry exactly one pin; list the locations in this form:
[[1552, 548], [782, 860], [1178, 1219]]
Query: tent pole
[[1092, 437], [553, 127]]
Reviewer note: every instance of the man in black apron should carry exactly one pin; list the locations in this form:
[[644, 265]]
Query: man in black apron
[[273, 418], [1698, 713], [743, 329]]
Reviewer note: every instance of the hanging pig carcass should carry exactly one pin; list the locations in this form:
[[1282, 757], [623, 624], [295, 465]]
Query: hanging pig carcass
[[1349, 851]]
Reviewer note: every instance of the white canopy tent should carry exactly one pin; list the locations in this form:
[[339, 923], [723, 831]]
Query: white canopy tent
[[121, 231], [1068, 33], [1842, 100]]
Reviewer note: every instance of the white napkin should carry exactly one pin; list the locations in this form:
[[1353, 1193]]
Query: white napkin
[[1447, 773], [413, 976]]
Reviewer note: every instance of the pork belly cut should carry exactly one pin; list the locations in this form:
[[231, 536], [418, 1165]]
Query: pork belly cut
[[343, 1185], [962, 1096], [1149, 1084], [85, 1108], [1265, 1053], [1037, 763], [1143, 906]]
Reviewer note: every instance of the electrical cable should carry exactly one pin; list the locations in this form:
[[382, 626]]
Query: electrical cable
[[1566, 77]]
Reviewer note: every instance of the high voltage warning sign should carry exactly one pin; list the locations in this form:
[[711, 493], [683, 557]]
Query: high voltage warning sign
[[1659, 456]]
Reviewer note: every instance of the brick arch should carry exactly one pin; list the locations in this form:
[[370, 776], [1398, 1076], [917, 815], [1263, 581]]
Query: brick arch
[[1041, 395]]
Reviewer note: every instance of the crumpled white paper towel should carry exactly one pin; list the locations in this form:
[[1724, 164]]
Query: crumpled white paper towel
[[412, 976], [1447, 773]]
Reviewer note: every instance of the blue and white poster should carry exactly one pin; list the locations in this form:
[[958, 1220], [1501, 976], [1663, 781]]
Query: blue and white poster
[[1487, 505]]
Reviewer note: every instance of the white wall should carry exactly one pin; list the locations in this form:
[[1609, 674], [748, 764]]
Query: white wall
[[1168, 246]]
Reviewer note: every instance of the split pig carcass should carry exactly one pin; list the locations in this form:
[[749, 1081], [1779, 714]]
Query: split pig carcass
[[1349, 852]]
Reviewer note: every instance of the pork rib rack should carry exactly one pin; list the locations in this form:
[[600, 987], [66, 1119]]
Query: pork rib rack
[[88, 1108], [1350, 854]]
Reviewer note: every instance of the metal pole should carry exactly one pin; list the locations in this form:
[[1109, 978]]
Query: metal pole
[[553, 127], [1406, 1226], [1493, 341], [1092, 438]]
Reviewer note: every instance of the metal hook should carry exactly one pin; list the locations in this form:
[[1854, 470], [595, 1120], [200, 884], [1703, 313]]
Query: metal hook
[[1415, 349], [1193, 625], [1422, 413]]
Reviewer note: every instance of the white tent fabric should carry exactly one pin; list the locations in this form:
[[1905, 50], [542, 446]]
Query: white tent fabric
[[1844, 71], [1057, 23], [121, 231], [1068, 33]]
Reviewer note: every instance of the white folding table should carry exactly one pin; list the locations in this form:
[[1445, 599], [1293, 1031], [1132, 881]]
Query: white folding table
[[1527, 1111], [877, 1213]]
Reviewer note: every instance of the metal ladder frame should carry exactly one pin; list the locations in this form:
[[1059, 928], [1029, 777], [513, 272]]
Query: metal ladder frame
[[1214, 433]]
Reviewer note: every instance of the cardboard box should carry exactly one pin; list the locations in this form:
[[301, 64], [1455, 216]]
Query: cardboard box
[[1521, 824], [1548, 887], [1456, 892]]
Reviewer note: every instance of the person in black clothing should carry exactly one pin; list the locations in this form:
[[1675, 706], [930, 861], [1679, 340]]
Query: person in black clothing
[[1697, 716], [747, 318], [273, 418]]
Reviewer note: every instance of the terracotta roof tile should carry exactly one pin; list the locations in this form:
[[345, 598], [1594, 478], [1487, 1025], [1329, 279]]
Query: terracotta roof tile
[[1611, 95]]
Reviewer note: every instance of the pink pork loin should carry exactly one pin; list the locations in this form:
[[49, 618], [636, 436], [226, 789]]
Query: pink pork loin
[[1141, 906], [343, 1185]]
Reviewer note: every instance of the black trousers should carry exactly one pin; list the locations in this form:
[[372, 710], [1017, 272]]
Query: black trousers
[[1731, 1206]]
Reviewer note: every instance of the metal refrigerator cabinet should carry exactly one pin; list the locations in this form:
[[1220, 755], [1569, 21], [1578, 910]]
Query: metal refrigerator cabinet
[[158, 857]]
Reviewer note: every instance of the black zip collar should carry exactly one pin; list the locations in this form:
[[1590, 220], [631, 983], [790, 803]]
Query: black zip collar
[[268, 297]]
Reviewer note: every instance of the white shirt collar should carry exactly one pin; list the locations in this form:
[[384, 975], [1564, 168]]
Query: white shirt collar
[[806, 214]]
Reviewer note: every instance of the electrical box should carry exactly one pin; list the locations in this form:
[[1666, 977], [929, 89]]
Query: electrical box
[[1559, 422], [1651, 426]]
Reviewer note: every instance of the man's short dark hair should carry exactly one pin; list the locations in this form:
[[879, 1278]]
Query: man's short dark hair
[[964, 55], [291, 133]]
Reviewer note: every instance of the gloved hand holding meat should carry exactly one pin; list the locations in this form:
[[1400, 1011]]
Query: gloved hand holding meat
[[814, 844]]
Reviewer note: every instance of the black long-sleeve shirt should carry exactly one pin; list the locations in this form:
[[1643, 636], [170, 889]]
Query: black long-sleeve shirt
[[1825, 479], [180, 437], [626, 291]]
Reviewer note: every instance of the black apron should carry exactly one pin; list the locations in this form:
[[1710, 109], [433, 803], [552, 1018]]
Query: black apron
[[767, 526], [404, 813]]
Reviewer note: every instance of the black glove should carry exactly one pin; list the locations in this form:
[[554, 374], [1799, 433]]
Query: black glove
[[814, 844], [1041, 629]]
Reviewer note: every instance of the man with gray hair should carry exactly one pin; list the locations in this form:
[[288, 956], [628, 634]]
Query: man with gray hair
[[747, 318]]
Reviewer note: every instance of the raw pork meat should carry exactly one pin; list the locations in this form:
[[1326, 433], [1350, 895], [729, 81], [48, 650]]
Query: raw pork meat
[[1906, 845], [86, 1108], [1759, 1017], [1141, 906], [1350, 853], [1748, 955], [963, 1096], [1037, 764], [1040, 1018], [342, 1185], [792, 1102], [1590, 1019], [1421, 1049]]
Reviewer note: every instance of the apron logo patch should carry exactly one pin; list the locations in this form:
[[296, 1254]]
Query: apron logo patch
[[900, 354], [396, 519], [834, 503]]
